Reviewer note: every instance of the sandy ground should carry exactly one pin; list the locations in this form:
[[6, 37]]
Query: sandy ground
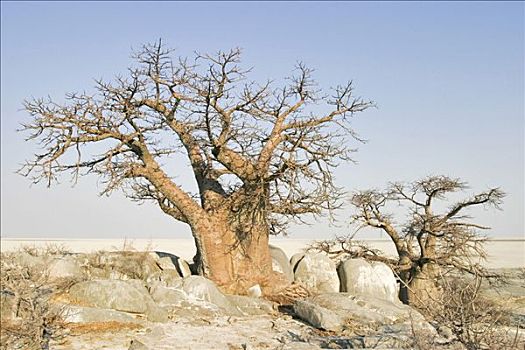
[[502, 253]]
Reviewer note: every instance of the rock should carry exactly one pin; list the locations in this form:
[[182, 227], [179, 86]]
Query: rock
[[155, 313], [181, 265], [280, 263], [255, 291], [65, 267], [137, 345], [251, 306], [166, 296], [317, 272], [200, 288], [128, 296], [369, 279], [295, 259], [318, 316], [167, 278], [82, 314], [184, 268], [337, 311], [166, 263]]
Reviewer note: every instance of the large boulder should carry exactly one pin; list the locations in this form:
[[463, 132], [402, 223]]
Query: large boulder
[[280, 263], [369, 279], [317, 272], [128, 296], [341, 311]]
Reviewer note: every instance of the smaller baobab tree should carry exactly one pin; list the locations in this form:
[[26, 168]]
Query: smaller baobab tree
[[431, 243]]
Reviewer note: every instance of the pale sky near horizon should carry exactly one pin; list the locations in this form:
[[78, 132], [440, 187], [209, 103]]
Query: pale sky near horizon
[[448, 79]]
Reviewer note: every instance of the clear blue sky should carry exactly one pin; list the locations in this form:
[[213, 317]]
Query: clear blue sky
[[448, 79]]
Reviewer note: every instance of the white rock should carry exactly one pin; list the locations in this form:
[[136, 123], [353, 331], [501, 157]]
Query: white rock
[[317, 272], [368, 279], [280, 263], [255, 291]]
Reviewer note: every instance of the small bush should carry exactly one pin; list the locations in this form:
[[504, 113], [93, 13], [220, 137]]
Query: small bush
[[29, 321]]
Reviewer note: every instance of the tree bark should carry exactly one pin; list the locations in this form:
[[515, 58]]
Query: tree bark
[[234, 258]]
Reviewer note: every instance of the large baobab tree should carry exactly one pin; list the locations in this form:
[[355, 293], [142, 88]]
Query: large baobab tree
[[261, 155], [433, 242]]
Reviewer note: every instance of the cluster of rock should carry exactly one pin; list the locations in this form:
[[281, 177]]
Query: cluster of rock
[[135, 287]]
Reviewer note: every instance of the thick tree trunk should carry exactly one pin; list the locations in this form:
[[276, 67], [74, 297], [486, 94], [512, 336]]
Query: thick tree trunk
[[423, 285], [235, 259]]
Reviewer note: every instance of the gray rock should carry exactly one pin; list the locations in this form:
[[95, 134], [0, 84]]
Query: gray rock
[[184, 268], [251, 306], [318, 316], [155, 313], [128, 296], [280, 263], [336, 311], [82, 314], [165, 263], [295, 259], [181, 265], [369, 279], [200, 288], [167, 296], [317, 272], [167, 278]]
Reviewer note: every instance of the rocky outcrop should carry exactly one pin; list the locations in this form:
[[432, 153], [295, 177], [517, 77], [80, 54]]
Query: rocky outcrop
[[317, 272], [342, 312], [369, 279]]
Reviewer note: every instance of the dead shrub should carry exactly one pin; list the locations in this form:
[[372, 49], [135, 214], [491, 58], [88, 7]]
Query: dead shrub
[[29, 321], [472, 319]]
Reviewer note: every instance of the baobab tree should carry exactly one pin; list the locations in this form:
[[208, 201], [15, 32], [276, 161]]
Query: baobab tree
[[261, 155], [432, 242]]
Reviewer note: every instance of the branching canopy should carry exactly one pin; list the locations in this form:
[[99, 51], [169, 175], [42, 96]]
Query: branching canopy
[[240, 137], [447, 238]]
